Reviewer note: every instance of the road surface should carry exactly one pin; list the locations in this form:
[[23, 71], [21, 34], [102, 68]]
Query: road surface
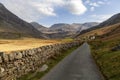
[[79, 65]]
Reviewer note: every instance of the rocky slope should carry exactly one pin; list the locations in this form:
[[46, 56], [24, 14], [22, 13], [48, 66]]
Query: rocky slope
[[90, 24], [39, 27], [12, 26], [62, 27]]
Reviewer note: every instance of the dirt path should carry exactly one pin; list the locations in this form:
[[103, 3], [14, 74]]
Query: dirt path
[[79, 65]]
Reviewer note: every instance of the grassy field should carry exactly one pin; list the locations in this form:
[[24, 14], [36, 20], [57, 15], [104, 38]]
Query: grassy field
[[8, 45], [108, 60], [51, 63]]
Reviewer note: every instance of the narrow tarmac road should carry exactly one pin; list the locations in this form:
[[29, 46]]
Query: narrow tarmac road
[[79, 65]]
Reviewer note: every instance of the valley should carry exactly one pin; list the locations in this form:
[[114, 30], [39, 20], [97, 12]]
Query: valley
[[72, 48]]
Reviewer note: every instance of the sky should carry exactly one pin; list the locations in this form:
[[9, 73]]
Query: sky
[[49, 12]]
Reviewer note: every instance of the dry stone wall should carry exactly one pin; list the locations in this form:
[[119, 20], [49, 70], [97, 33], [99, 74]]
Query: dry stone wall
[[18, 63]]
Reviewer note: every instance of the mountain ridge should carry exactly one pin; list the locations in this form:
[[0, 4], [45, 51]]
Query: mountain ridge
[[62, 30]]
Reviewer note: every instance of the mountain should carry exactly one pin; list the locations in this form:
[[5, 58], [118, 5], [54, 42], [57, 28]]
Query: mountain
[[111, 21], [39, 27], [84, 26], [107, 32], [12, 26], [69, 30], [62, 30], [73, 27], [62, 27], [90, 24]]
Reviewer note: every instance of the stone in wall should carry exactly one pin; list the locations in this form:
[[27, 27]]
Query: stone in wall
[[1, 59], [18, 55], [5, 57], [2, 71], [11, 56]]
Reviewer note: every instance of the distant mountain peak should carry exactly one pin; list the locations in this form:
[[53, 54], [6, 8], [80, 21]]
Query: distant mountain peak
[[39, 27]]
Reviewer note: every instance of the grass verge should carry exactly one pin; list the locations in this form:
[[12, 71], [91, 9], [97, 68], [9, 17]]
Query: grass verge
[[51, 63], [108, 61]]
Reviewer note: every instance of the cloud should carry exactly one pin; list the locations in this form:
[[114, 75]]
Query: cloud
[[87, 1], [76, 7], [44, 9], [47, 7], [92, 8], [101, 2], [101, 18], [95, 4], [33, 10]]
